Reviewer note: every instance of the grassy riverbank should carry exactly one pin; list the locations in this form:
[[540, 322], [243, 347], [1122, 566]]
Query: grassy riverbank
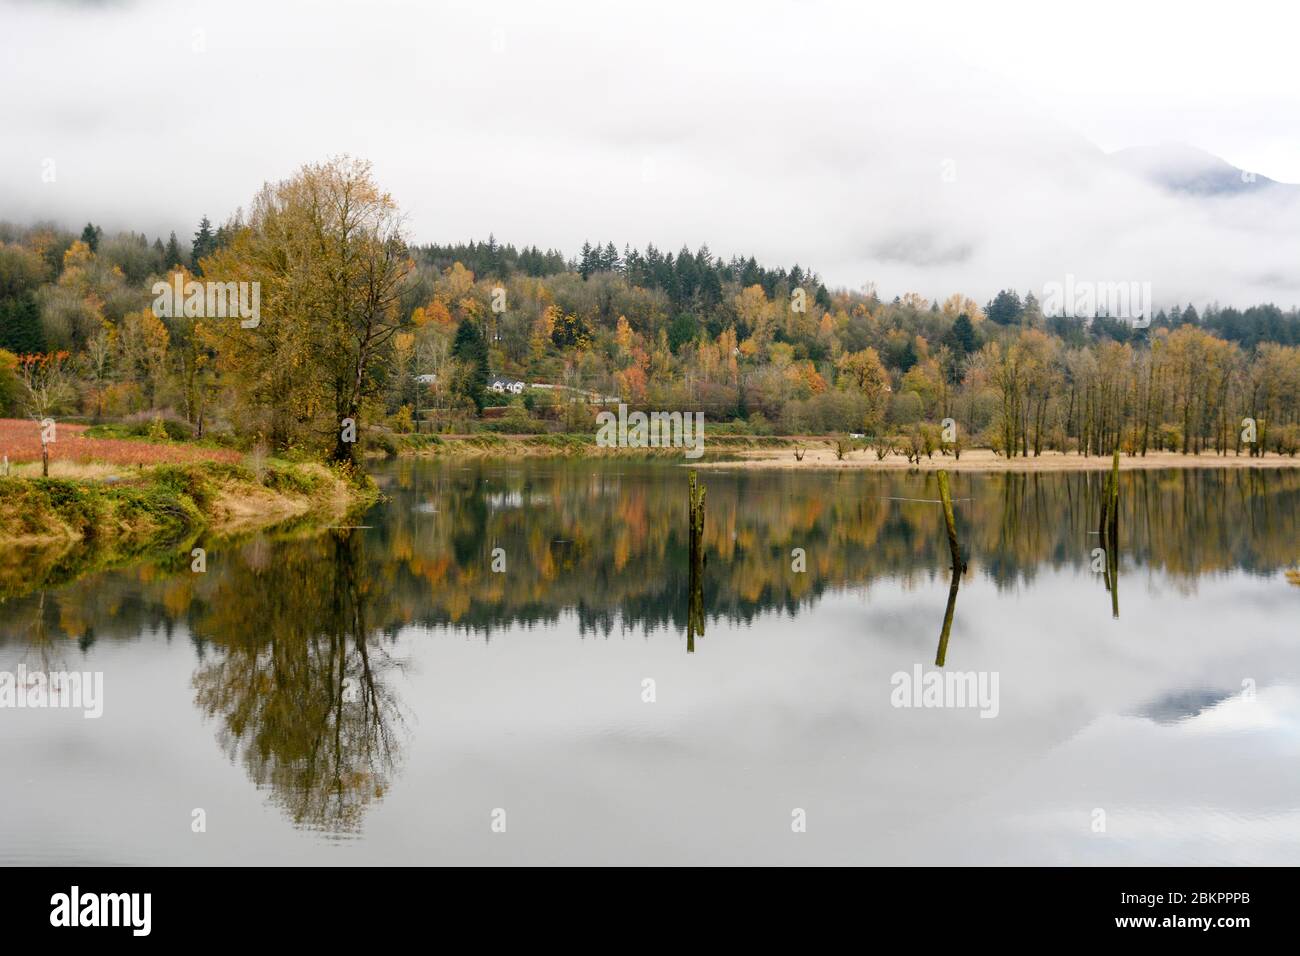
[[168, 501], [55, 529]]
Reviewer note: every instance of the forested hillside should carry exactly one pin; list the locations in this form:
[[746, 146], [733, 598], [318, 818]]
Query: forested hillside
[[766, 348]]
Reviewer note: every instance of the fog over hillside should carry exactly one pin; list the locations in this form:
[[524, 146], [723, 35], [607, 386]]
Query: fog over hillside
[[1024, 147]]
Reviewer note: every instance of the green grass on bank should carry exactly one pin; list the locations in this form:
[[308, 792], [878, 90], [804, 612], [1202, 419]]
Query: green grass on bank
[[161, 430]]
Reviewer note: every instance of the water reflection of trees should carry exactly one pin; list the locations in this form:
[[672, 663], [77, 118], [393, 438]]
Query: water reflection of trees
[[608, 543], [626, 560], [296, 682], [295, 635]]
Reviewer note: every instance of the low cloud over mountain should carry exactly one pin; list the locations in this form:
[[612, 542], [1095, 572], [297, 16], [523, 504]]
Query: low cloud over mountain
[[795, 134]]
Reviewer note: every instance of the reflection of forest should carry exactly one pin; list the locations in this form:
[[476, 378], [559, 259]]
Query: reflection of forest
[[297, 684], [295, 636], [609, 542]]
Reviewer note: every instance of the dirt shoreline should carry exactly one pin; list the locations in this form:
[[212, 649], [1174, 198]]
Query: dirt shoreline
[[983, 460], [765, 452]]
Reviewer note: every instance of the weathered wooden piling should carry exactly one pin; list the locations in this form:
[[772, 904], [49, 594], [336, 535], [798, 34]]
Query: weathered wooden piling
[[958, 566], [695, 603], [1112, 536], [945, 495], [1109, 527], [697, 492], [942, 653], [1104, 522], [1113, 570], [1109, 531], [1113, 528]]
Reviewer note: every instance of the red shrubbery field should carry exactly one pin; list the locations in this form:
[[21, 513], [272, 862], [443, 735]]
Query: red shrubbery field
[[20, 439]]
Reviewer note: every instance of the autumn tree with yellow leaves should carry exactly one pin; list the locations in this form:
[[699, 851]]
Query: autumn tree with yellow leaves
[[328, 249]]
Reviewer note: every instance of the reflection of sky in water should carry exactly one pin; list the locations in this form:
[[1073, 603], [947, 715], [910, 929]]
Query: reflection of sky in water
[[1143, 717]]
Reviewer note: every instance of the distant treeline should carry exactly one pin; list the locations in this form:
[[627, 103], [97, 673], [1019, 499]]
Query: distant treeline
[[688, 279], [360, 325]]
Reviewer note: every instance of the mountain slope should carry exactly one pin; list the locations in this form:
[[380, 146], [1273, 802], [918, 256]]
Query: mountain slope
[[1180, 168]]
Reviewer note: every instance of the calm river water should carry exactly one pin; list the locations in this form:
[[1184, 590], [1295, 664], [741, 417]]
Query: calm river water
[[497, 669]]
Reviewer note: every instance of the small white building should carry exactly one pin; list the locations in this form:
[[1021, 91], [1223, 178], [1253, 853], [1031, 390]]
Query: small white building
[[506, 386]]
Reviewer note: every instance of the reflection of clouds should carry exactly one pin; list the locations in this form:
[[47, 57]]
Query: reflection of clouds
[[1139, 836], [1182, 705], [781, 707], [789, 713], [1217, 788], [1272, 709]]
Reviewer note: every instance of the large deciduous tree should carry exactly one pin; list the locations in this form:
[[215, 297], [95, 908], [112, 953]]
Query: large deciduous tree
[[328, 249]]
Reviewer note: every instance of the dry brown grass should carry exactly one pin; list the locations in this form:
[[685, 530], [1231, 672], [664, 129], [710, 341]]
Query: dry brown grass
[[241, 507], [62, 468], [20, 441]]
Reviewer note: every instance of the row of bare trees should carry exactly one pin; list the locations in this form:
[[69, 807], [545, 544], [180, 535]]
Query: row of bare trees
[[1184, 391]]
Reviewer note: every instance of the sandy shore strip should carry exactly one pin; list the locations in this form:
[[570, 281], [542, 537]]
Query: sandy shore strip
[[982, 459]]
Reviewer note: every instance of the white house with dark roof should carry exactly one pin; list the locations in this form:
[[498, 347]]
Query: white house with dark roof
[[506, 386]]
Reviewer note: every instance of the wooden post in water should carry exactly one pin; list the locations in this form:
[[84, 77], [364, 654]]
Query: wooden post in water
[[1112, 536], [958, 565], [1113, 527], [942, 654], [697, 514], [1109, 530], [695, 603], [1105, 508]]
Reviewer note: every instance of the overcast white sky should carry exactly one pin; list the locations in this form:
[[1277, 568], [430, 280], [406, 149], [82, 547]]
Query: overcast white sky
[[816, 132]]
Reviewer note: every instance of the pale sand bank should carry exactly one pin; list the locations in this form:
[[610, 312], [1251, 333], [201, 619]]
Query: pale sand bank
[[823, 458]]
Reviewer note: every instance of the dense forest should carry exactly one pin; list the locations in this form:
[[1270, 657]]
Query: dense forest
[[358, 324]]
